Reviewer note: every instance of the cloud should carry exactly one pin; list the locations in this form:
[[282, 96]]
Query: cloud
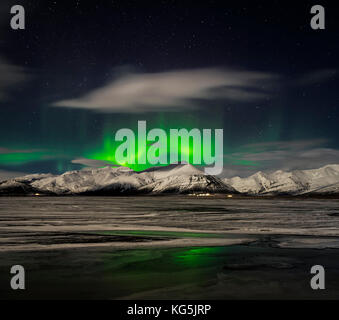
[[9, 151], [233, 170], [294, 144], [316, 77], [5, 175], [92, 163], [10, 75], [174, 90], [280, 155]]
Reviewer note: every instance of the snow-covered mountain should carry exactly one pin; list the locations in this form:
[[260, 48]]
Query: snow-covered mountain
[[324, 180], [183, 179], [176, 178], [179, 178]]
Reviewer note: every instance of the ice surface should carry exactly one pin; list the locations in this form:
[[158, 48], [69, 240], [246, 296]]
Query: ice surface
[[56, 222]]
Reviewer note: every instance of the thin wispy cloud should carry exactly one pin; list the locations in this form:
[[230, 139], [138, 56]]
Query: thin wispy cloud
[[9, 151], [5, 175], [92, 162], [10, 76], [175, 90], [280, 155], [316, 77]]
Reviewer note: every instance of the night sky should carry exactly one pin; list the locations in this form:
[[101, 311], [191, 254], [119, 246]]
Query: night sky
[[82, 70]]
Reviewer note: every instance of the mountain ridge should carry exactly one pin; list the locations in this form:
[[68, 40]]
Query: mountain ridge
[[175, 178], [179, 178], [296, 182]]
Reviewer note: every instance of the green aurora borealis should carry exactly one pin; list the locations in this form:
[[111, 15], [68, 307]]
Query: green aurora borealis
[[63, 146], [62, 135]]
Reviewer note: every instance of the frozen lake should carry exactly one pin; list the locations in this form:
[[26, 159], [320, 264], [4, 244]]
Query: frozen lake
[[32, 223], [168, 246]]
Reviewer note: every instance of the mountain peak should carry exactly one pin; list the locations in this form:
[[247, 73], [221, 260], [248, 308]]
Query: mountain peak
[[176, 169]]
